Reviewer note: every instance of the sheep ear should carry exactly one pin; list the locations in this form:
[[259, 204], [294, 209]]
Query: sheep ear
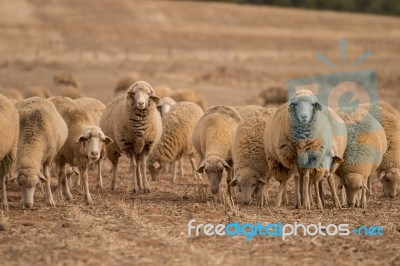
[[337, 160], [81, 138], [317, 106], [381, 175], [156, 164], [200, 170], [129, 95], [155, 99], [107, 140], [290, 107], [226, 165], [42, 178], [234, 182]]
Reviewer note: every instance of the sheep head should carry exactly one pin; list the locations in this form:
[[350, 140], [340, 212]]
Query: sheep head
[[214, 167], [390, 180], [140, 95], [91, 142], [354, 184], [249, 182], [303, 105]]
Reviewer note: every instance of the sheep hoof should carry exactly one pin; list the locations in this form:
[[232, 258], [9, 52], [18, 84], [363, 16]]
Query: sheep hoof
[[51, 203], [134, 191], [89, 201], [146, 190], [4, 206], [100, 186]]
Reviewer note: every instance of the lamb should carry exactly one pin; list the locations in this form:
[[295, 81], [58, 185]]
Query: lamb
[[38, 92], [83, 145], [12, 94], [366, 146], [162, 91], [134, 123], [389, 170], [165, 104], [125, 83], [302, 137], [9, 129], [212, 138], [273, 95], [250, 164], [42, 132], [190, 96]]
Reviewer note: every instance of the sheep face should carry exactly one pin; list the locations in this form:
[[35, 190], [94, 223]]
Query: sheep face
[[214, 167], [303, 108], [390, 181], [27, 180], [249, 182], [92, 141], [354, 184], [140, 94], [155, 169]]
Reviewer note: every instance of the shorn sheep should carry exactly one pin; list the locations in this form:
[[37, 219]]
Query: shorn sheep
[[42, 132], [190, 96], [83, 145], [176, 139], [133, 122], [9, 128], [250, 164], [366, 146], [213, 138]]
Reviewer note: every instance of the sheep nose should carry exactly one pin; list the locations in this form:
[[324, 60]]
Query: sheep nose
[[141, 103], [214, 190], [28, 205], [95, 153]]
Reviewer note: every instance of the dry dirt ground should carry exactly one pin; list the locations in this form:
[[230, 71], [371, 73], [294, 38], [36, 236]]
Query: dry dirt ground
[[228, 53]]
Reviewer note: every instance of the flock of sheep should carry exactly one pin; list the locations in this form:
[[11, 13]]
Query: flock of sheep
[[157, 127]]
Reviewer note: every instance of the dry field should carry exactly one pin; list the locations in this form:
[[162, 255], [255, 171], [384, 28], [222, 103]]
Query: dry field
[[226, 52]]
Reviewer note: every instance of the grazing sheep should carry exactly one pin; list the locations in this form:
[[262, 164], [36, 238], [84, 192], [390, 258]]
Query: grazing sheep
[[302, 136], [133, 122], [162, 91], [125, 83], [389, 170], [273, 95], [65, 79], [71, 92], [42, 132], [41, 92], [165, 105], [212, 138], [94, 109], [250, 163], [177, 127], [9, 129], [83, 145], [190, 96], [12, 94], [366, 145]]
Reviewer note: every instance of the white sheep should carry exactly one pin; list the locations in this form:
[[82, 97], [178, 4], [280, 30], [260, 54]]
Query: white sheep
[[250, 164], [366, 146], [212, 138], [165, 105], [190, 96], [9, 129], [133, 122], [83, 145], [177, 127], [42, 132]]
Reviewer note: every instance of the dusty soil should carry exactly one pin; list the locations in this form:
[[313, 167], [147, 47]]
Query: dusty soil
[[226, 52]]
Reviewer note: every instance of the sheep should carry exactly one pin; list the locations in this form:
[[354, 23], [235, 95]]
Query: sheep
[[165, 104], [94, 109], [162, 91], [366, 146], [250, 164], [125, 83], [42, 132], [83, 145], [71, 92], [177, 127], [65, 79], [302, 136], [9, 132], [212, 138], [190, 96], [12, 94], [133, 122], [273, 95], [37, 92], [389, 169]]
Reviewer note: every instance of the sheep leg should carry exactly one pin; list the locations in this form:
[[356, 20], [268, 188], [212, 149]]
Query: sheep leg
[[85, 179], [114, 172], [230, 190], [317, 195], [180, 173], [321, 192], [332, 185], [135, 188], [369, 186], [144, 176], [65, 182], [41, 187], [49, 195], [196, 175], [139, 173], [310, 193], [4, 203], [297, 189], [285, 198], [173, 171], [306, 197], [60, 176], [99, 176], [282, 187], [364, 198]]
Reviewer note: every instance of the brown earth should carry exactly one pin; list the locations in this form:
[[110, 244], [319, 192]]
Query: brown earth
[[228, 53]]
